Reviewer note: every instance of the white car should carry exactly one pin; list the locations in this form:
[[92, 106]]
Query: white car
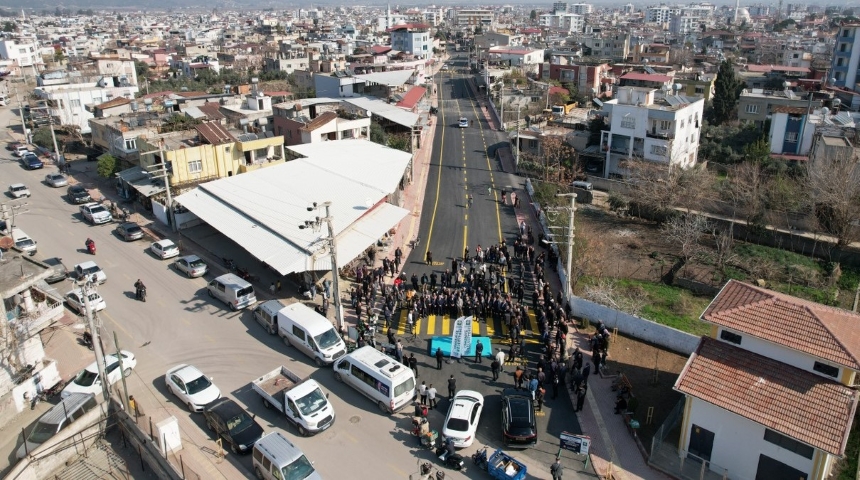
[[463, 416], [191, 265], [464, 122], [164, 249], [95, 213], [56, 180], [88, 381], [18, 190], [92, 271], [190, 386], [75, 299]]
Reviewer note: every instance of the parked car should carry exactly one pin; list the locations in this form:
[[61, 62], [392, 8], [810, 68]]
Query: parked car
[[20, 150], [13, 146], [519, 428], [464, 122], [75, 300], [164, 249], [56, 180], [232, 423], [87, 380], [78, 194], [129, 231], [59, 272], [91, 270], [19, 190], [191, 265], [191, 387], [461, 423], [95, 213], [32, 162]]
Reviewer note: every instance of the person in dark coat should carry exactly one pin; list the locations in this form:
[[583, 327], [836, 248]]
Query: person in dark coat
[[439, 357], [452, 387], [413, 363], [479, 350], [580, 397], [586, 371], [495, 368]]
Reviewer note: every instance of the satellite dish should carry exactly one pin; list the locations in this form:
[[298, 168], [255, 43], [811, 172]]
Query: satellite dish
[[6, 242]]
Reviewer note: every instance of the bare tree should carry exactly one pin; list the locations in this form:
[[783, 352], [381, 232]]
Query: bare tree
[[661, 187], [589, 257], [685, 231], [607, 292], [556, 155], [834, 186], [724, 243], [746, 188]]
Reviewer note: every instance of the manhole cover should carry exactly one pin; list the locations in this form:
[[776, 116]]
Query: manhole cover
[[354, 419]]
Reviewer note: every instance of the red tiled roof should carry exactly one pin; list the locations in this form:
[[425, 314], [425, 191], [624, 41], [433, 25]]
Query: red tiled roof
[[561, 90], [412, 97], [116, 102], [380, 49], [818, 330], [647, 77], [794, 402], [214, 133], [318, 122], [788, 109]]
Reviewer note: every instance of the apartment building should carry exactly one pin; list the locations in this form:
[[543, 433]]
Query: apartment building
[[565, 22], [845, 61], [413, 39], [473, 18], [658, 128]]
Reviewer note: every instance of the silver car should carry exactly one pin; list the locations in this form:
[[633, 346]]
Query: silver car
[[191, 265], [56, 180]]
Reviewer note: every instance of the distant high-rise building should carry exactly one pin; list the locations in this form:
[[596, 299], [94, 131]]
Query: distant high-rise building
[[845, 61], [559, 7], [580, 8]]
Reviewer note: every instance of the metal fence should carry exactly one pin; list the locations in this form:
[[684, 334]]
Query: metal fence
[[666, 455]]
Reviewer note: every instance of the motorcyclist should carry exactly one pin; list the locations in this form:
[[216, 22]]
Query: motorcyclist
[[139, 290], [91, 245], [449, 446], [88, 339]]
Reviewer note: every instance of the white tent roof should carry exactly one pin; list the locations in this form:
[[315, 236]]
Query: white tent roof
[[385, 110], [262, 211], [389, 164], [393, 78]]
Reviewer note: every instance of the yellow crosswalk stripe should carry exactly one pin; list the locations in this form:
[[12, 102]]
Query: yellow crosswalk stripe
[[446, 325], [401, 325], [476, 327], [491, 331], [431, 324]]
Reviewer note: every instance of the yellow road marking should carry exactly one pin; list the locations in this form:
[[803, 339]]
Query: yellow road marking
[[446, 325], [118, 325], [491, 331], [401, 325], [431, 324], [476, 327]]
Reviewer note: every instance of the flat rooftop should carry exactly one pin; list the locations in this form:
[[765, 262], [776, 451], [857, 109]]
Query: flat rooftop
[[18, 269]]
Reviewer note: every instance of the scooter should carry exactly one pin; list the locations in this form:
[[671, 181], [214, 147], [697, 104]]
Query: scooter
[[87, 340], [449, 458], [91, 246], [143, 294]]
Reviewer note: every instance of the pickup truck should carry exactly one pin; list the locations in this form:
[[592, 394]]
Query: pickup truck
[[95, 213], [302, 401]]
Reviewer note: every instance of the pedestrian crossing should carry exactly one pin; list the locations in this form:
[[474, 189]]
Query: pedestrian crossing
[[441, 325]]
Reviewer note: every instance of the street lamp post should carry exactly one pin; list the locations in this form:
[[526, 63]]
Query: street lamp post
[[161, 170], [86, 289], [331, 241], [570, 237]]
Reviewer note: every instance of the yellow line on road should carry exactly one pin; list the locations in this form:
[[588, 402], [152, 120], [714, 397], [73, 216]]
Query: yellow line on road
[[476, 327], [401, 325], [446, 325], [438, 187], [491, 330], [465, 237], [431, 324], [117, 324]]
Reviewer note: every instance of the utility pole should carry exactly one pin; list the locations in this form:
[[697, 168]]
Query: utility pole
[[21, 114], [122, 375], [60, 160], [331, 242], [87, 289], [502, 107], [570, 236], [517, 145], [161, 170]]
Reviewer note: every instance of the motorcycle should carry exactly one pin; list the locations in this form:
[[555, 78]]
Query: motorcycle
[[143, 294], [91, 246], [86, 340], [480, 458], [449, 457], [243, 274]]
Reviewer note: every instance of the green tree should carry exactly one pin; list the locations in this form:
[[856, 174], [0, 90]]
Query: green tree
[[42, 137], [10, 27], [399, 141], [758, 152], [141, 68], [107, 166], [533, 15], [726, 93], [377, 134]]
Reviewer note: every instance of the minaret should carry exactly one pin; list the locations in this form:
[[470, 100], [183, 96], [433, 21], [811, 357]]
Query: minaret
[[388, 16], [737, 7]]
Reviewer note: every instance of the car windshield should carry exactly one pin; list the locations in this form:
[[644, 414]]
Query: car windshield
[[168, 248], [245, 291], [196, 263], [24, 243], [298, 470], [328, 339], [19, 188], [91, 270], [198, 385], [97, 209], [131, 228], [86, 378], [311, 402], [404, 387], [239, 423], [42, 432], [458, 424]]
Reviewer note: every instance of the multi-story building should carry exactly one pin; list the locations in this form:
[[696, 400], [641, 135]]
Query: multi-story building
[[684, 25], [662, 129], [413, 39], [315, 120], [23, 51], [771, 392], [757, 105], [609, 45], [580, 8], [566, 22], [474, 18], [586, 78], [845, 61], [528, 59], [559, 7], [661, 14]]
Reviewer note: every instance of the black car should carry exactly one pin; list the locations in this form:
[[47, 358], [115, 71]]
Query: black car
[[519, 427], [78, 194], [59, 272], [32, 162], [232, 423], [129, 231]]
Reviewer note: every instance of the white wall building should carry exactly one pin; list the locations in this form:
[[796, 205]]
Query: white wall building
[[568, 22], [684, 25], [661, 14], [24, 52], [644, 125], [580, 8], [473, 18]]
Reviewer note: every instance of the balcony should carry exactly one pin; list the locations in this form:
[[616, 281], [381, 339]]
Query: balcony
[[36, 311], [664, 135]]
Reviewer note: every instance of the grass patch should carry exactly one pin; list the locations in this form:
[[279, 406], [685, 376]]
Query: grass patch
[[757, 253]]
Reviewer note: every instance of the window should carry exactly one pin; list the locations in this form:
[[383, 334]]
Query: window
[[195, 166], [839, 61], [845, 33], [533, 144], [842, 47], [658, 150], [75, 103], [752, 109], [791, 137], [787, 443], [628, 122], [826, 369], [130, 144], [682, 123], [665, 125], [730, 337]]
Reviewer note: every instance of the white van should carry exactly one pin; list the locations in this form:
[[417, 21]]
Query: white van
[[23, 242], [379, 377], [310, 333], [276, 458], [266, 314], [56, 419], [233, 291]]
